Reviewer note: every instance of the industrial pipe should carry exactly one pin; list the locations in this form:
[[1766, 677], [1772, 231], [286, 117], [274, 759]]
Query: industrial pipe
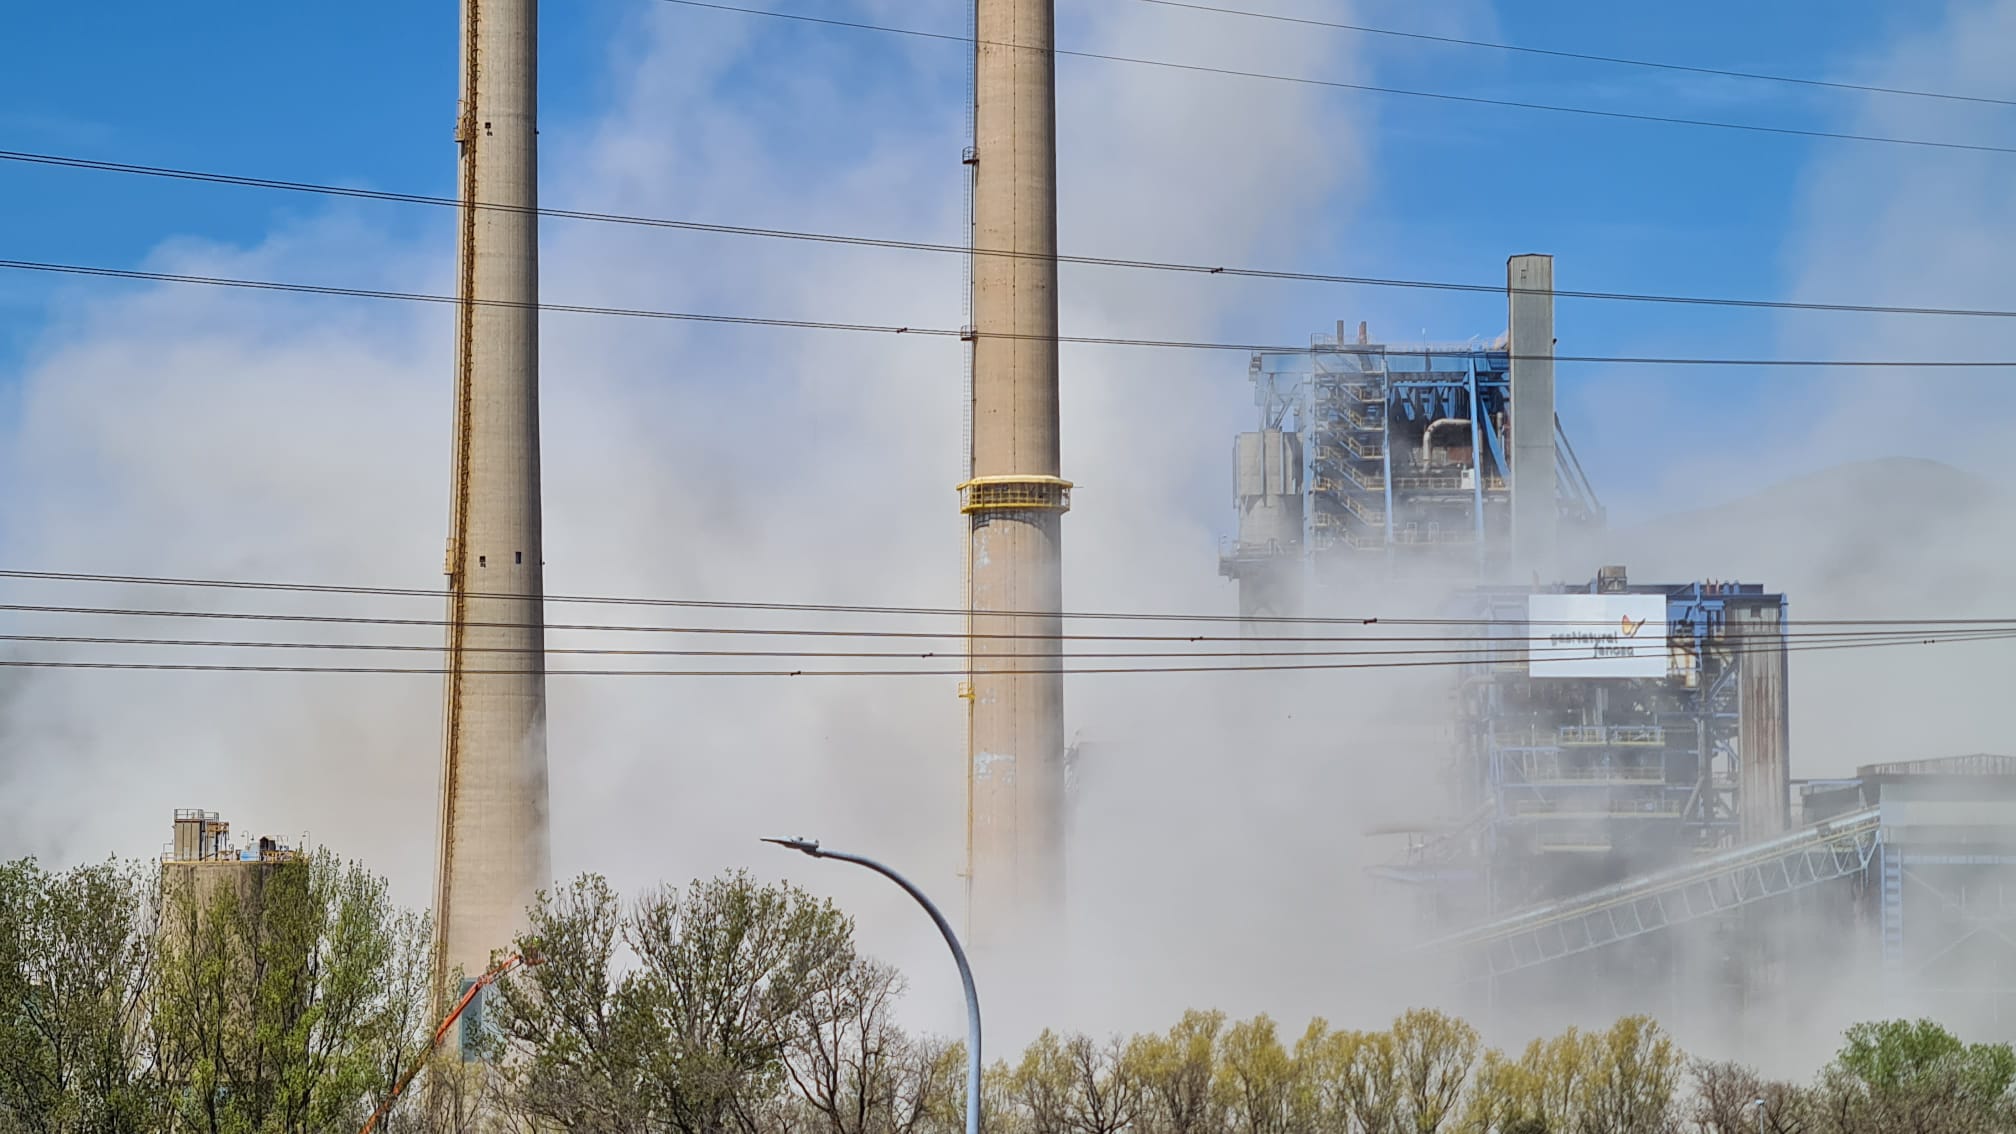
[[1428, 434]]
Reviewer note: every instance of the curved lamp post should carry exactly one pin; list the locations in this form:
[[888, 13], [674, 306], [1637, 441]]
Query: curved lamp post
[[812, 847]]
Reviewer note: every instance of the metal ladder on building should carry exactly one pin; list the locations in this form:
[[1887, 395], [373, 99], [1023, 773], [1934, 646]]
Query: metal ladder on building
[[1835, 849]]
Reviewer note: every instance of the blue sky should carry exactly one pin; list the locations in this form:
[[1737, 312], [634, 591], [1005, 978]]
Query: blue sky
[[363, 94]]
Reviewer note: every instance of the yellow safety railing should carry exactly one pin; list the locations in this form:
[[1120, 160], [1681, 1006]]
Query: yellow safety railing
[[1363, 449], [1015, 493], [1364, 511]]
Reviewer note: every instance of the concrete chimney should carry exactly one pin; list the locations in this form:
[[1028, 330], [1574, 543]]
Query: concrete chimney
[[1015, 496], [1536, 515], [493, 848]]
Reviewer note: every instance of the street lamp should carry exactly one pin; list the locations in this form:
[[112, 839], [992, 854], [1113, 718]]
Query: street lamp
[[812, 847], [1758, 1106]]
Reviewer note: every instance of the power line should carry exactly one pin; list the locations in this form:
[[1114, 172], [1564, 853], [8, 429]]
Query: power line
[[1587, 57], [1896, 629], [1272, 667], [183, 582], [944, 332], [891, 243], [1479, 646], [1338, 84]]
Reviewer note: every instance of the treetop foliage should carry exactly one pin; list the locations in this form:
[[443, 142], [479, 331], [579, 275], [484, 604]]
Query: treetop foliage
[[289, 998]]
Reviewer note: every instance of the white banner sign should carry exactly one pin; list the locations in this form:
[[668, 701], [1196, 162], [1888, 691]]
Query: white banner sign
[[1596, 635]]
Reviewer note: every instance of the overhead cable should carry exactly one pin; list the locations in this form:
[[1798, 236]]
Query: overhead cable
[[1898, 628], [1474, 648], [1269, 667], [191, 583], [892, 243], [1586, 57], [133, 274], [1368, 88]]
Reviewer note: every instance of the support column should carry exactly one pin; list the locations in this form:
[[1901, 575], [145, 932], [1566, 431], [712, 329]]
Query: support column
[[493, 838], [1015, 496], [1536, 517], [1763, 736]]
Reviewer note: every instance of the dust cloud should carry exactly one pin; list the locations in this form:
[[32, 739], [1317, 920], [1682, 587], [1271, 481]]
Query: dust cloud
[[1219, 832]]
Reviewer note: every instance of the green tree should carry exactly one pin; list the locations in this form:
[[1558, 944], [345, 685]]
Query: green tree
[[725, 976], [1350, 1081], [1631, 1084], [1915, 1076], [1176, 1072], [571, 1049], [1541, 1092], [729, 975], [288, 996], [76, 949], [1256, 1080], [1433, 1055], [1041, 1086], [1495, 1104], [1001, 1112]]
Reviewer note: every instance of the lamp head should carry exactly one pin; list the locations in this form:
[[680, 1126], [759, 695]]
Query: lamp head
[[802, 846]]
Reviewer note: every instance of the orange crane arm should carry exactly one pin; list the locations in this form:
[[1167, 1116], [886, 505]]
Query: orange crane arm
[[447, 1022]]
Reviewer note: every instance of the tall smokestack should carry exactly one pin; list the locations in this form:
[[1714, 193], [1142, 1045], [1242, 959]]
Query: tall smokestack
[[493, 852], [1015, 496], [1536, 515]]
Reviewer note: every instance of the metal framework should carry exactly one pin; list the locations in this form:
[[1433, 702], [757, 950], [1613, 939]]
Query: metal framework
[[1405, 452], [1597, 810], [1711, 887]]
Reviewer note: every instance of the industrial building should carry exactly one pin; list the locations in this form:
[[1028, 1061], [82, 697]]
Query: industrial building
[[1375, 460], [1622, 809], [1605, 732], [201, 864], [1609, 730], [203, 842], [1623, 815], [1938, 895]]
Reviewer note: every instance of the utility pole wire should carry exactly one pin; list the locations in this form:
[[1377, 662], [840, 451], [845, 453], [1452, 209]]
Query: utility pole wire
[[1368, 88], [1271, 667], [897, 244], [1471, 649], [1586, 57], [950, 333], [1905, 628], [183, 582]]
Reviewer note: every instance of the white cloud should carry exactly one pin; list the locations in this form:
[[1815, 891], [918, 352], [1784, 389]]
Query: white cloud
[[171, 431]]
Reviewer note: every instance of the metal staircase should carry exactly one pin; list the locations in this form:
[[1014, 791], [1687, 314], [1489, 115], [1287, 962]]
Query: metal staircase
[[1739, 876]]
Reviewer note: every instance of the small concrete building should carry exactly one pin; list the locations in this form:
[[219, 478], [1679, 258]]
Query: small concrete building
[[202, 860]]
